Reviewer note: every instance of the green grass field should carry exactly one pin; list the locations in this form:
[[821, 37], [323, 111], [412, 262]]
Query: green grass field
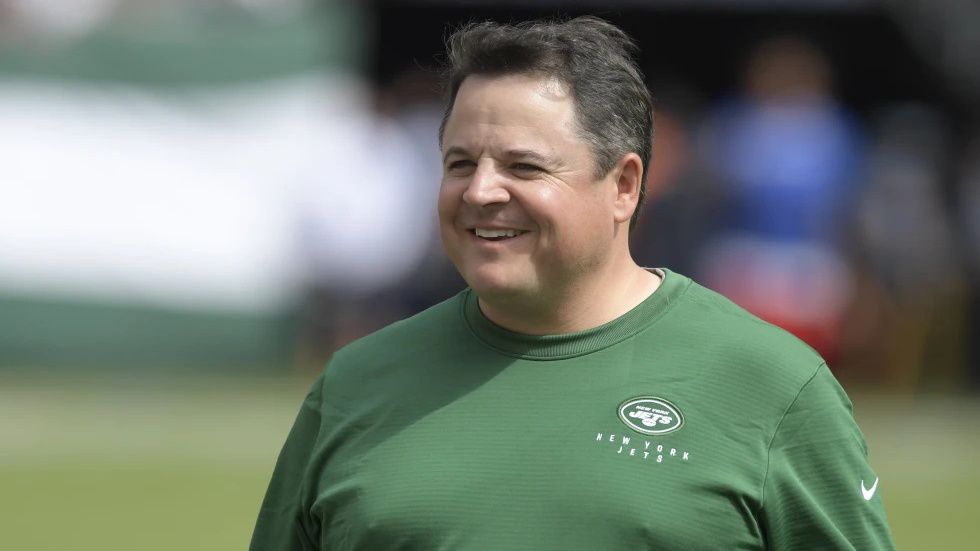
[[111, 462]]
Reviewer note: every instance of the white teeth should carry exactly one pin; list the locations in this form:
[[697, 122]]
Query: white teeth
[[497, 233]]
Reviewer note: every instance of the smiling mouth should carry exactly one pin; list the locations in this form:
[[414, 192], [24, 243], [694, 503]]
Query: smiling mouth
[[496, 235]]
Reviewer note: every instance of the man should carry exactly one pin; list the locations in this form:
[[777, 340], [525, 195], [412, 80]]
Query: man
[[569, 399]]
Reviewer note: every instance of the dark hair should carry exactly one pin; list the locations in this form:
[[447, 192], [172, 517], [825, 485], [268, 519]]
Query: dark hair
[[592, 57]]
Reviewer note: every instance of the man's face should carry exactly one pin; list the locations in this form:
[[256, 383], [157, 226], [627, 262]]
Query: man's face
[[521, 212]]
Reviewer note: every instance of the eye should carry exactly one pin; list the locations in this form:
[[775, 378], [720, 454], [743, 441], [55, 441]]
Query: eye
[[526, 168], [459, 166]]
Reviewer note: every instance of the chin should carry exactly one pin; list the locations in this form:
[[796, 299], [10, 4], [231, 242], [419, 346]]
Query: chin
[[490, 281]]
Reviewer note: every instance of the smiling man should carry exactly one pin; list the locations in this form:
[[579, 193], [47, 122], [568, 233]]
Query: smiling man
[[536, 233], [569, 398]]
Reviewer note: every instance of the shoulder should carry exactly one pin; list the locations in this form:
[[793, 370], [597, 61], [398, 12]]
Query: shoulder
[[739, 333], [402, 342], [734, 347]]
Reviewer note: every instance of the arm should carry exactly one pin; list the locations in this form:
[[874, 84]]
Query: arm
[[820, 491], [284, 521]]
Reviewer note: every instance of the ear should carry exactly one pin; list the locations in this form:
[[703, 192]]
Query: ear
[[628, 175]]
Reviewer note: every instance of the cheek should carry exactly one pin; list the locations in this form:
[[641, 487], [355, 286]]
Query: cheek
[[448, 203], [564, 214], [546, 207], [579, 225]]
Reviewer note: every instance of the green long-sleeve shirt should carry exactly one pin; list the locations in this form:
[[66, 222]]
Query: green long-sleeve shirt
[[684, 424]]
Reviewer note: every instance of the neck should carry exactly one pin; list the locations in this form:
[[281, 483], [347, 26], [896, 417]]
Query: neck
[[577, 307]]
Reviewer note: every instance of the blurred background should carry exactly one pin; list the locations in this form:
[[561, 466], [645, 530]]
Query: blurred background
[[201, 200]]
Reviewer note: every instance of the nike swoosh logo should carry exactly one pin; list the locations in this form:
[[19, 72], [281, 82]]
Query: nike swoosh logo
[[869, 493]]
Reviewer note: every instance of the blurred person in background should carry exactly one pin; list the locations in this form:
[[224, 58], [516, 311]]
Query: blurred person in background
[[908, 322], [788, 162], [372, 251], [679, 214], [360, 243], [543, 406], [413, 101], [968, 195]]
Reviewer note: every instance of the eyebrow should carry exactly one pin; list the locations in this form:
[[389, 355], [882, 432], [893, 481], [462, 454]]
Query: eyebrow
[[523, 154], [526, 155], [454, 150]]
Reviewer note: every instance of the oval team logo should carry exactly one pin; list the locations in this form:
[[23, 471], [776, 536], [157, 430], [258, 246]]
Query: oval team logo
[[650, 415]]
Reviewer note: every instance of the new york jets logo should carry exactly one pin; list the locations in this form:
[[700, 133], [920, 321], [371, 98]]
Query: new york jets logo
[[649, 415]]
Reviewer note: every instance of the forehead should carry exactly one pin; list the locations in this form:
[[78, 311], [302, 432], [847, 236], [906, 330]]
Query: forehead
[[513, 107], [546, 87]]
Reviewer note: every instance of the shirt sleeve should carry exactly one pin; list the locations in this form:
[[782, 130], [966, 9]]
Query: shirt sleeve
[[284, 522], [820, 491]]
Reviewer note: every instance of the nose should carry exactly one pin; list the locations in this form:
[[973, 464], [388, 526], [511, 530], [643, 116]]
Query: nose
[[486, 187]]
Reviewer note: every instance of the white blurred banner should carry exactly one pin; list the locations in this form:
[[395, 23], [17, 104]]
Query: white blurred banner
[[198, 198]]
